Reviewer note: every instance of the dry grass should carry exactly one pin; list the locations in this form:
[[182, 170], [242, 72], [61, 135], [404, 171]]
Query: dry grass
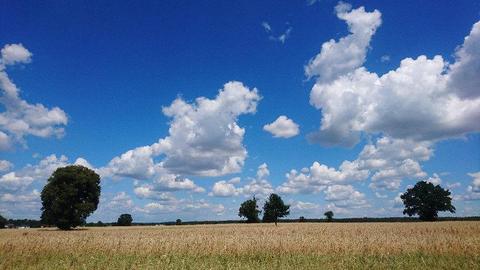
[[301, 245]]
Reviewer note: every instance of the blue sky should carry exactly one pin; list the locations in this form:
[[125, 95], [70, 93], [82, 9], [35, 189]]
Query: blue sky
[[374, 96]]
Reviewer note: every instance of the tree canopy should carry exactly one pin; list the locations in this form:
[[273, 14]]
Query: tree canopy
[[329, 215], [249, 210], [124, 220], [3, 222], [426, 200], [274, 209], [71, 194]]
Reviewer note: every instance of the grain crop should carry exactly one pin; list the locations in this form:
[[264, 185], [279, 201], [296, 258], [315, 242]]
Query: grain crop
[[417, 245]]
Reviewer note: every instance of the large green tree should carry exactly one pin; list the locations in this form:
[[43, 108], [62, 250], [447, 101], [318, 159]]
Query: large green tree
[[274, 209], [426, 200], [124, 220], [71, 194], [329, 215], [249, 210], [3, 222]]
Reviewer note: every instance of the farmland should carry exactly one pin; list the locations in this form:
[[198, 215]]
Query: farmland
[[440, 245]]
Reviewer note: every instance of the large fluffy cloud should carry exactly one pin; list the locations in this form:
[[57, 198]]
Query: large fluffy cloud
[[204, 138], [258, 186], [386, 162], [423, 99], [475, 182], [15, 53], [5, 165], [136, 163], [120, 202], [225, 188], [345, 196], [318, 176], [194, 208], [473, 190], [20, 118], [342, 56], [391, 160], [146, 192], [20, 198], [21, 205], [464, 72], [165, 182], [303, 206], [22, 178]]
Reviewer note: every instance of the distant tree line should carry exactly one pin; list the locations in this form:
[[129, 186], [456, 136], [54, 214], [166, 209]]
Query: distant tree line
[[37, 223], [32, 223]]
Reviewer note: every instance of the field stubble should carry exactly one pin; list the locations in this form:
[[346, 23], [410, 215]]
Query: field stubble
[[447, 245]]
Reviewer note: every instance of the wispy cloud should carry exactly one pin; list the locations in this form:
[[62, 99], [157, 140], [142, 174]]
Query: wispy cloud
[[278, 38], [267, 27], [385, 58], [311, 2]]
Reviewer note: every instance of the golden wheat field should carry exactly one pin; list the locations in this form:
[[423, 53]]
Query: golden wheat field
[[440, 245]]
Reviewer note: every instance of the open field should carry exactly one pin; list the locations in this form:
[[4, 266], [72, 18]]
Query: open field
[[440, 245]]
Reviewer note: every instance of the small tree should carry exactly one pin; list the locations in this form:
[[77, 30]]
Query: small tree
[[274, 209], [329, 215], [71, 194], [425, 200], [302, 219], [3, 222], [249, 210], [125, 220], [178, 222]]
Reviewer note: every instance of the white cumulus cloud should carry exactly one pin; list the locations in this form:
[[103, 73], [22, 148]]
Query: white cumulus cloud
[[423, 99], [475, 187], [15, 53], [5, 165], [20, 118], [22, 178], [386, 163], [464, 72], [17, 195], [258, 186], [282, 127], [345, 196], [340, 57], [318, 176], [204, 138], [224, 189], [435, 179]]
